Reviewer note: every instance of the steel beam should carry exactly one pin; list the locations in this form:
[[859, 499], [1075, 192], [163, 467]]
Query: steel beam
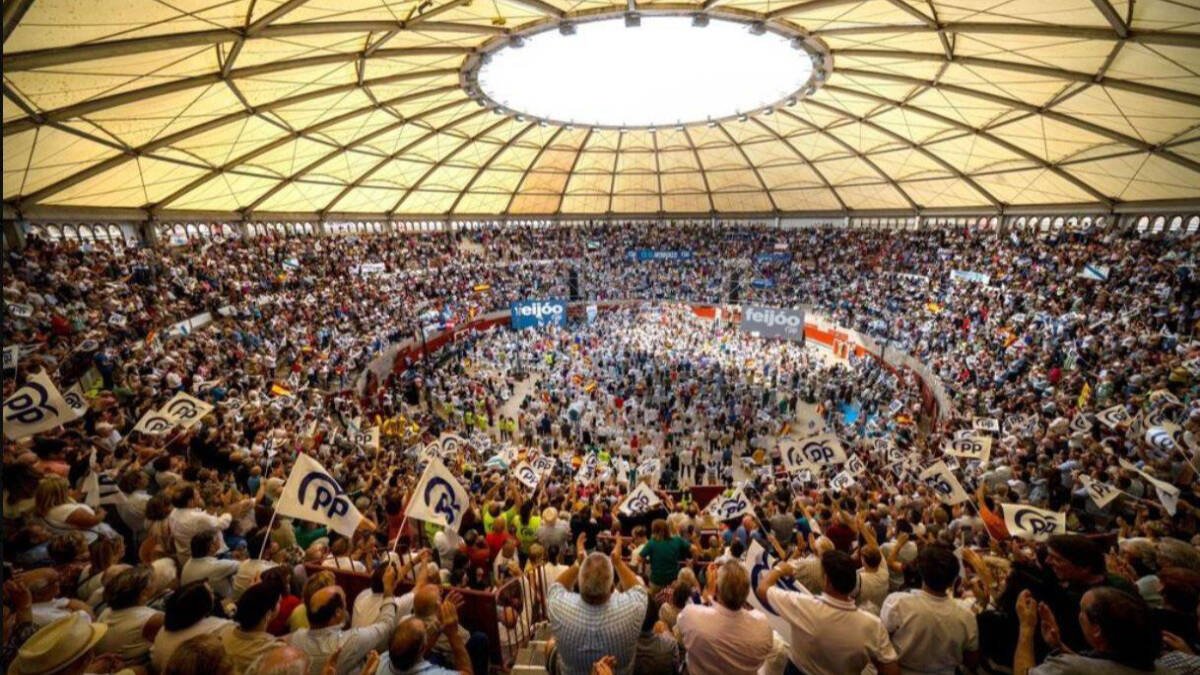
[[746, 158], [449, 156], [816, 171], [525, 174], [484, 167], [1110, 15], [14, 11], [712, 205], [1152, 37]]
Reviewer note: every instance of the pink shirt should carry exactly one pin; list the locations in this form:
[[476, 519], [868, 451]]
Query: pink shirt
[[720, 641]]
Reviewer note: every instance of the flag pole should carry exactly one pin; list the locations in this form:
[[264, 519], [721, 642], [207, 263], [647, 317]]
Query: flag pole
[[267, 536]]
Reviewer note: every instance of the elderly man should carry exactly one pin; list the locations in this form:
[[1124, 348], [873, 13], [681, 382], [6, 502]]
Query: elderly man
[[830, 636], [282, 659], [596, 622], [414, 640], [327, 613], [723, 638], [932, 633]]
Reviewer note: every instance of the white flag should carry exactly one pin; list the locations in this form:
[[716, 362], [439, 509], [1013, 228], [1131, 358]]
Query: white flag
[[100, 489], [185, 410], [650, 468], [527, 475], [35, 407], [1162, 438], [854, 465], [808, 422], [586, 474], [311, 494], [1113, 417], [1028, 522], [117, 320], [1101, 493], [978, 448], [1080, 423], [841, 481], [727, 508], [439, 497], [367, 439], [451, 444], [76, 401], [12, 356], [544, 464], [820, 450], [640, 500], [1167, 494], [989, 424], [153, 422], [941, 480]]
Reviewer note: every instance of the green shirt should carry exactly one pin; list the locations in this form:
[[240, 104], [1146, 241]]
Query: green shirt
[[526, 533], [665, 556]]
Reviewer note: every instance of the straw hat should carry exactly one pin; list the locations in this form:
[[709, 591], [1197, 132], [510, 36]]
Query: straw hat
[[57, 645]]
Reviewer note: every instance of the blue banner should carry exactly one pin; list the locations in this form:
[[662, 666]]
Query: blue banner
[[538, 313], [763, 283], [649, 254], [774, 257]]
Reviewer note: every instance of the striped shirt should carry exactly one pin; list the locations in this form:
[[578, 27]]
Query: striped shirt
[[586, 633]]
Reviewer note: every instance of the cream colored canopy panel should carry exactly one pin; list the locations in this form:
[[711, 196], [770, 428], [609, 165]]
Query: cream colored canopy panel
[[359, 106]]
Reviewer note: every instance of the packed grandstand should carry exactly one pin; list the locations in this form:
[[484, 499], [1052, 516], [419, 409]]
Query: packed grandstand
[[979, 451]]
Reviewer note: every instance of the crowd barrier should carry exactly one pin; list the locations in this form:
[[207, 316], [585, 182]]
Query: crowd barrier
[[820, 331]]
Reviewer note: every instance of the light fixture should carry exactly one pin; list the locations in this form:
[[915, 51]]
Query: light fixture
[[768, 111], [711, 123], [791, 102], [742, 117], [566, 28], [699, 20], [520, 118], [633, 19], [516, 42], [678, 127], [570, 127], [542, 123], [621, 130], [498, 110], [758, 28], [798, 43], [480, 102], [653, 130]]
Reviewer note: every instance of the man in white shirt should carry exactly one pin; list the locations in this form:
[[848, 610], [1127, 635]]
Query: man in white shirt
[[830, 636], [932, 633], [327, 613], [204, 565], [724, 638], [188, 518]]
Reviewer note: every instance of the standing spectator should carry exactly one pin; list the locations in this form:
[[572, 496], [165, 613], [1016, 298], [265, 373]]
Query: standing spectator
[[723, 637], [931, 632]]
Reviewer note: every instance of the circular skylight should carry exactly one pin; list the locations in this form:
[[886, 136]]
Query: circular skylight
[[663, 72]]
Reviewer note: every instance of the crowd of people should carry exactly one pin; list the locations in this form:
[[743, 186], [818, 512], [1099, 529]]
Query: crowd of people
[[1072, 356]]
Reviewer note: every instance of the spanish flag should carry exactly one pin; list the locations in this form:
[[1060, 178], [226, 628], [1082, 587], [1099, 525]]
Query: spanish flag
[[479, 288], [279, 390], [1085, 394]]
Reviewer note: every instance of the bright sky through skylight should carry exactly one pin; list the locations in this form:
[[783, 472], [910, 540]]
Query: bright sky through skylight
[[658, 74]]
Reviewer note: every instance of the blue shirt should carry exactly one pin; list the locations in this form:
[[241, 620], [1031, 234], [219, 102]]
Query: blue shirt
[[586, 633], [422, 668]]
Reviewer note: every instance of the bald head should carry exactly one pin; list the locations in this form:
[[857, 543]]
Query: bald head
[[281, 660], [408, 644], [327, 607], [426, 600]]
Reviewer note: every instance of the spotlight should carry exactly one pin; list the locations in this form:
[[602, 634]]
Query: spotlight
[[711, 123], [570, 127], [520, 118], [791, 102], [485, 58], [678, 127], [498, 110], [653, 130], [566, 28], [699, 20], [633, 19], [742, 117], [542, 123], [758, 28], [798, 43], [768, 111], [480, 102], [621, 130], [516, 42]]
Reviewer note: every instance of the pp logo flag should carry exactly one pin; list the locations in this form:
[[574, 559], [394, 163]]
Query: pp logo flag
[[1101, 493], [821, 450], [312, 494], [977, 448], [1028, 522], [1080, 424], [185, 410], [100, 489], [451, 444], [368, 439], [854, 465], [153, 422], [544, 464], [1162, 438], [527, 475], [640, 500], [12, 356], [988, 424], [651, 467], [728, 508], [117, 320], [1167, 494], [439, 497], [842, 481], [35, 407], [1113, 417], [940, 479]]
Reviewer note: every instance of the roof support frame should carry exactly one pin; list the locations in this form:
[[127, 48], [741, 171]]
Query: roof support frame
[[448, 156], [816, 171], [746, 158], [712, 205], [863, 158], [525, 174], [1017, 150], [612, 185], [912, 146], [1150, 37], [1032, 69], [1110, 14], [562, 195], [386, 129], [487, 164], [1027, 107], [183, 134]]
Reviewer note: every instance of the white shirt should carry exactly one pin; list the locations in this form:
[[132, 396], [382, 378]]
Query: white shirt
[[124, 636], [831, 636], [872, 588], [343, 563], [931, 632], [720, 641], [368, 604], [218, 573], [186, 523], [133, 511], [166, 642]]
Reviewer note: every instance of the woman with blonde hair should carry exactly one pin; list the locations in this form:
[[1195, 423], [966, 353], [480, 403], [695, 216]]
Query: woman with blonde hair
[[62, 514]]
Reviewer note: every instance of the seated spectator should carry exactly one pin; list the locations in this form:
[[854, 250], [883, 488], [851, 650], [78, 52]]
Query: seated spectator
[[132, 626], [203, 565]]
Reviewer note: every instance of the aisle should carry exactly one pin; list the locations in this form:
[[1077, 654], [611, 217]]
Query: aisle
[[512, 407]]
